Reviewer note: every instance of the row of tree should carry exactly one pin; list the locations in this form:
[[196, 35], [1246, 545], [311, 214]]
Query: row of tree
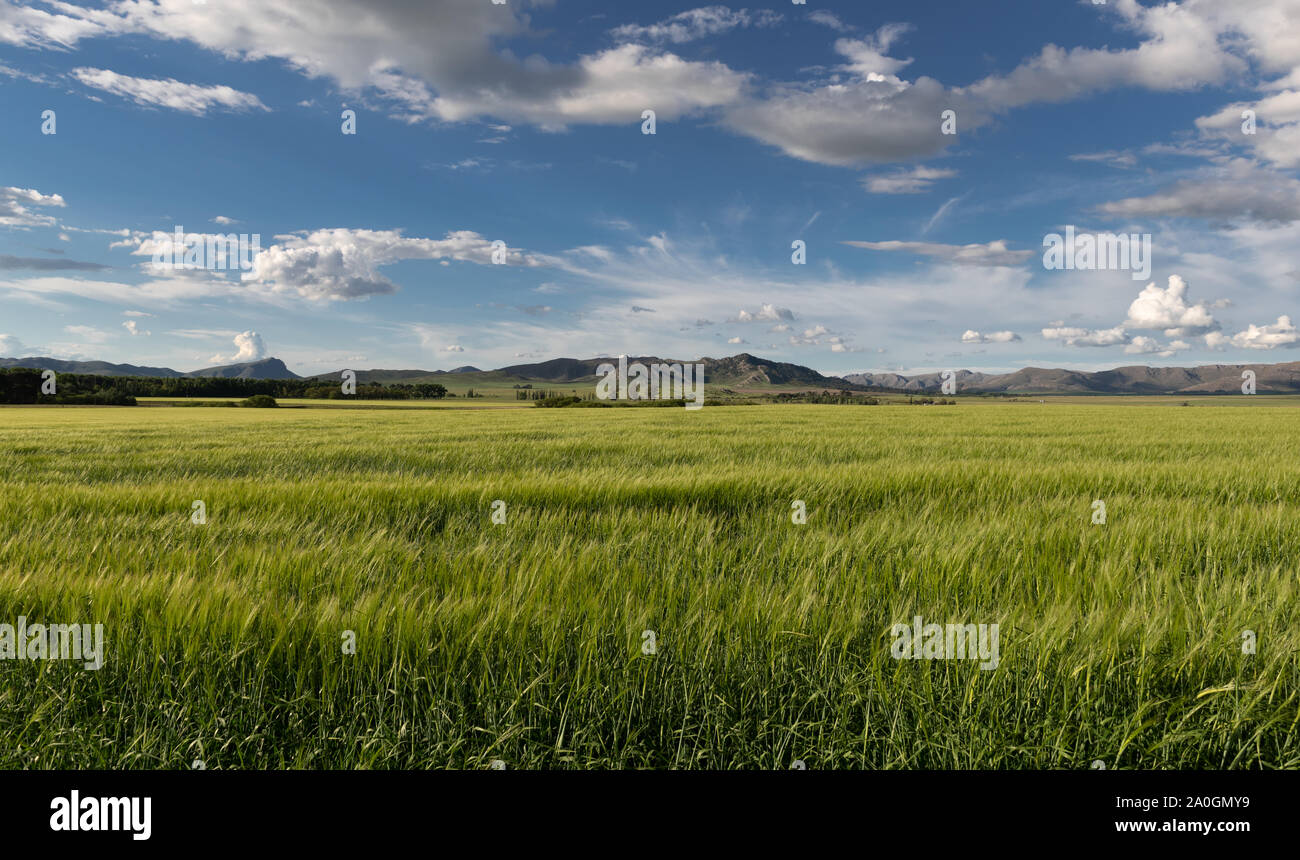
[[23, 385], [842, 397]]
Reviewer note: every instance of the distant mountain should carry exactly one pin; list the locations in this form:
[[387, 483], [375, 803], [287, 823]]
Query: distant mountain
[[749, 373], [98, 368], [563, 369], [742, 371], [1138, 379], [738, 371], [267, 368]]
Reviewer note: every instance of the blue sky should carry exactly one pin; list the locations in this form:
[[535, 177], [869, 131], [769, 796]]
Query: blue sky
[[479, 122]]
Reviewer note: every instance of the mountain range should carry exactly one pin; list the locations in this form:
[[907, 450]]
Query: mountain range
[[750, 374], [267, 368], [1137, 379]]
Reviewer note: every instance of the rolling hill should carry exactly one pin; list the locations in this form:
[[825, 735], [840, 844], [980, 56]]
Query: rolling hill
[[742, 372], [267, 368], [749, 374], [1138, 379]]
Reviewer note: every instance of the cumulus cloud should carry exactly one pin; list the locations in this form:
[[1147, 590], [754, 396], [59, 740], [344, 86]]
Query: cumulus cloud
[[971, 336], [990, 254], [1087, 337], [813, 337], [248, 347], [438, 60], [16, 207], [134, 328], [766, 313], [1143, 345], [1276, 134], [863, 113], [613, 86], [344, 263], [169, 93], [448, 61], [1155, 308], [1167, 309], [1178, 50], [1281, 333]]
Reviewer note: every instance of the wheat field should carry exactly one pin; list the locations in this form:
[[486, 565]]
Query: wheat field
[[350, 602]]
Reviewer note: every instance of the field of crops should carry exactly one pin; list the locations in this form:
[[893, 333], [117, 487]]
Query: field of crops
[[525, 642]]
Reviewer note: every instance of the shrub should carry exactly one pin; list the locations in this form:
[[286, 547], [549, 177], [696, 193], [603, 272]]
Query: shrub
[[260, 401]]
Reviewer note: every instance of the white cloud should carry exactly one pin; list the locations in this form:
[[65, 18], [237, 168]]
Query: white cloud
[[1111, 157], [438, 60], [696, 24], [445, 61], [1237, 190], [224, 221], [1282, 333], [160, 291], [1086, 337], [972, 336], [829, 19], [861, 114], [453, 348], [168, 93], [1276, 136], [134, 328], [344, 264], [912, 181], [993, 253], [15, 208], [766, 313], [1167, 309], [248, 347], [1143, 345]]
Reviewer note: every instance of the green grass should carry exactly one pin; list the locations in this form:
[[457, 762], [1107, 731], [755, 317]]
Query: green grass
[[522, 642]]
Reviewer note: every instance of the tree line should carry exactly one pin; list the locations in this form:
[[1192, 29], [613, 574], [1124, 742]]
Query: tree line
[[23, 385]]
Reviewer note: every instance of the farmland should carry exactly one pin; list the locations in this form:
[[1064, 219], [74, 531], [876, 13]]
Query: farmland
[[524, 641]]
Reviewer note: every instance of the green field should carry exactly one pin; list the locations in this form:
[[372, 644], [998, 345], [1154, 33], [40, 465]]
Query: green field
[[523, 642]]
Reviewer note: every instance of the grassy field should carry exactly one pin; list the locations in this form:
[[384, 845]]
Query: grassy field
[[523, 642]]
